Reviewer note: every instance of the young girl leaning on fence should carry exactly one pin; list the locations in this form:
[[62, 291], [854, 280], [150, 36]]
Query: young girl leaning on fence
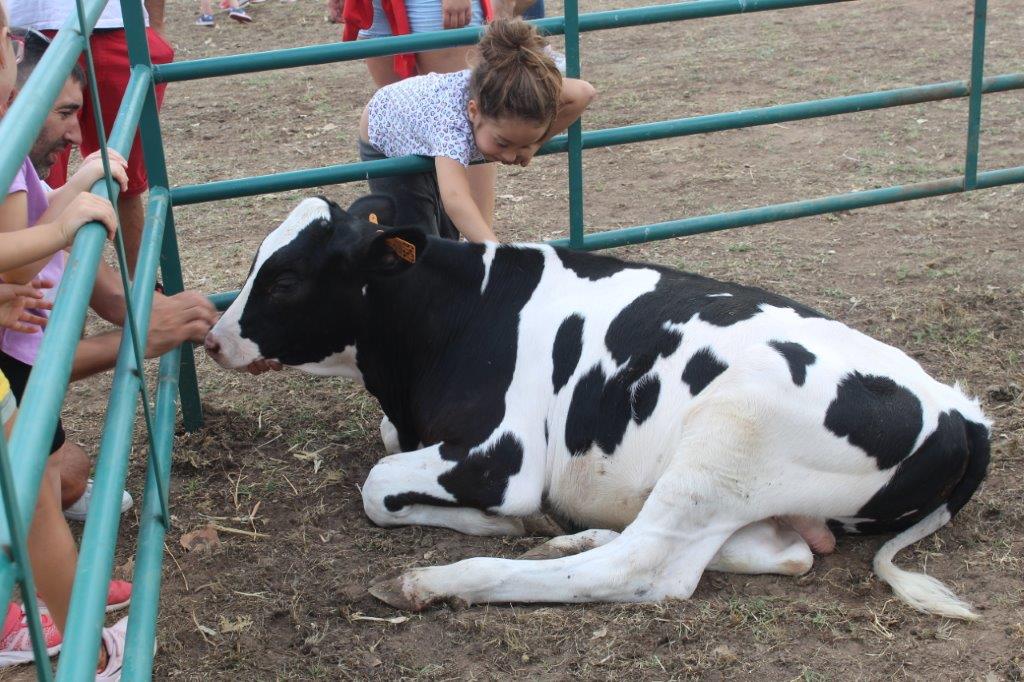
[[53, 220], [513, 100]]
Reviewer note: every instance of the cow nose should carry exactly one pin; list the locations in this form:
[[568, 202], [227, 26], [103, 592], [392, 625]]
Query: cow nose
[[212, 344]]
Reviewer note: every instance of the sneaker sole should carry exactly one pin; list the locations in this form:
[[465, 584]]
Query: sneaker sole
[[117, 607], [11, 658], [241, 19]]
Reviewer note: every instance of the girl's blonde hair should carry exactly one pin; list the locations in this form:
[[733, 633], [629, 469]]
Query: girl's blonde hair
[[513, 76]]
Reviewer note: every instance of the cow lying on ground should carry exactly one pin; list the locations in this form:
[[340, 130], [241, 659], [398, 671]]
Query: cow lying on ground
[[684, 423]]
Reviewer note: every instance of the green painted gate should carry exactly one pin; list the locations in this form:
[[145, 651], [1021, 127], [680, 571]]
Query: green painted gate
[[44, 396]]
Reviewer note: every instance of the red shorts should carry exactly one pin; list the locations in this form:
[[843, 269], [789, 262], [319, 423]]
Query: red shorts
[[110, 57]]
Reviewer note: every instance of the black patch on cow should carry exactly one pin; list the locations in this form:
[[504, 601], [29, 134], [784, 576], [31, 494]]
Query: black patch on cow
[[436, 354], [645, 399], [601, 408], [701, 369], [877, 415], [947, 468], [479, 479], [568, 348], [798, 358], [582, 420], [545, 432], [594, 266], [395, 502]]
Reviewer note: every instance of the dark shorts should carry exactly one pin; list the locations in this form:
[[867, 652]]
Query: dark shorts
[[417, 198], [17, 373]]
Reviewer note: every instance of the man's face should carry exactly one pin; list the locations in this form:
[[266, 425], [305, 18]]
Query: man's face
[[60, 129]]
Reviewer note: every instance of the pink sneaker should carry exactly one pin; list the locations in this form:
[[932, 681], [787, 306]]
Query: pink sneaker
[[113, 639], [119, 596], [16, 642]]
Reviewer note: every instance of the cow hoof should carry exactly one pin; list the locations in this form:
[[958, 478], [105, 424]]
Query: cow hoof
[[392, 592], [541, 525], [545, 551]]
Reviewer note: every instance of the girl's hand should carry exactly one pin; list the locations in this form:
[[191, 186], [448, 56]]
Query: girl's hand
[[92, 169], [16, 299], [82, 210], [456, 13]]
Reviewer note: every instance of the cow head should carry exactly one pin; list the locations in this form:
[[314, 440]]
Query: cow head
[[304, 301]]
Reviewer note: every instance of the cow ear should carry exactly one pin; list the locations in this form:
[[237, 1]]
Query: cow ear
[[374, 208], [394, 251]]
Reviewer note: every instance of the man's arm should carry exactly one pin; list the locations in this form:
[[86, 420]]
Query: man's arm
[[155, 8], [176, 319], [107, 299]]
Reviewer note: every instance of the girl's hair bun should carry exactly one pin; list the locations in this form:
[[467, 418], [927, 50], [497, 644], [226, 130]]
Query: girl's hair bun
[[514, 76]]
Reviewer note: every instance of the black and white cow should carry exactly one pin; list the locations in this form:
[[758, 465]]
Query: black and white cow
[[685, 423]]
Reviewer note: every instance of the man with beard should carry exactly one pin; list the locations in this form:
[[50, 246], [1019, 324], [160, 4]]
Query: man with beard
[[61, 131]]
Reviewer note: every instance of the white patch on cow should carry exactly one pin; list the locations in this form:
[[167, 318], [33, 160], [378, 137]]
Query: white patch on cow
[[490, 248], [235, 350], [342, 364], [717, 295]]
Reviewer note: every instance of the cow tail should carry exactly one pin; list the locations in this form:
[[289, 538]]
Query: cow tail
[[922, 591]]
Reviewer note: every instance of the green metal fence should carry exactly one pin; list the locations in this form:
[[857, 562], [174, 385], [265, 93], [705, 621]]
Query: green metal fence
[[19, 482]]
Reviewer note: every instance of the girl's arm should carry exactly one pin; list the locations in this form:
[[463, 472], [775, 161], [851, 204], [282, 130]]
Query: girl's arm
[[24, 252], [87, 175], [453, 182], [576, 97]]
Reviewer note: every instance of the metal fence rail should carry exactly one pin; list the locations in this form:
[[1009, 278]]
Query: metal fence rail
[[44, 394]]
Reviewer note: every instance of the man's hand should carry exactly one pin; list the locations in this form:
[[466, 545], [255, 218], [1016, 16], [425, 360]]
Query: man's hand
[[456, 13], [176, 319], [16, 299]]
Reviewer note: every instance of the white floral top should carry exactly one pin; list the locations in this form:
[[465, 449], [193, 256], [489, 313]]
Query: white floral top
[[424, 115]]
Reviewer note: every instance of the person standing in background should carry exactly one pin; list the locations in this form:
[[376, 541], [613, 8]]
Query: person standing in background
[[110, 55]]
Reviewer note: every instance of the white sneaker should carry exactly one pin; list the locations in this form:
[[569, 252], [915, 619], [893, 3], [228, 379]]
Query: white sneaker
[[113, 639], [78, 510]]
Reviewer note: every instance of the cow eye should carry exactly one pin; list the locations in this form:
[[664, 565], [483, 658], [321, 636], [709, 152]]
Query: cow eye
[[284, 285]]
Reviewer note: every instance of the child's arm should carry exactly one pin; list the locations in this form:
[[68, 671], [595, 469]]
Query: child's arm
[[576, 97], [453, 182], [24, 252], [84, 178]]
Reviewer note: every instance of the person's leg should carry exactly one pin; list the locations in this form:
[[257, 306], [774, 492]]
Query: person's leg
[[482, 177], [382, 70], [73, 463], [51, 548], [443, 61], [133, 215]]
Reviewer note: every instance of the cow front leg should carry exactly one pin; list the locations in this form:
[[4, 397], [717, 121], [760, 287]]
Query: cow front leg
[[389, 436], [421, 487]]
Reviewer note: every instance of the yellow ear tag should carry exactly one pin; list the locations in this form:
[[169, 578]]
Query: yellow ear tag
[[403, 249], [372, 218]]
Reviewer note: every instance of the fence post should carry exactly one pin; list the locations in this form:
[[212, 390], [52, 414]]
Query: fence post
[[572, 70], [974, 105]]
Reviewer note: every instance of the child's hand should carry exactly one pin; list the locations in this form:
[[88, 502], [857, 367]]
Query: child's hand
[[92, 169], [16, 299], [82, 210]]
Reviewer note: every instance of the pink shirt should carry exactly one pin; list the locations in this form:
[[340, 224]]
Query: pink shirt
[[25, 347]]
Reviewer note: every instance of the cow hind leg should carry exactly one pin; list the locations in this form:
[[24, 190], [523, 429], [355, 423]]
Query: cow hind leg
[[406, 489], [764, 547]]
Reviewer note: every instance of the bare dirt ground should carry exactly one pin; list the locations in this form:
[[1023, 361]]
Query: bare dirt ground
[[285, 454]]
